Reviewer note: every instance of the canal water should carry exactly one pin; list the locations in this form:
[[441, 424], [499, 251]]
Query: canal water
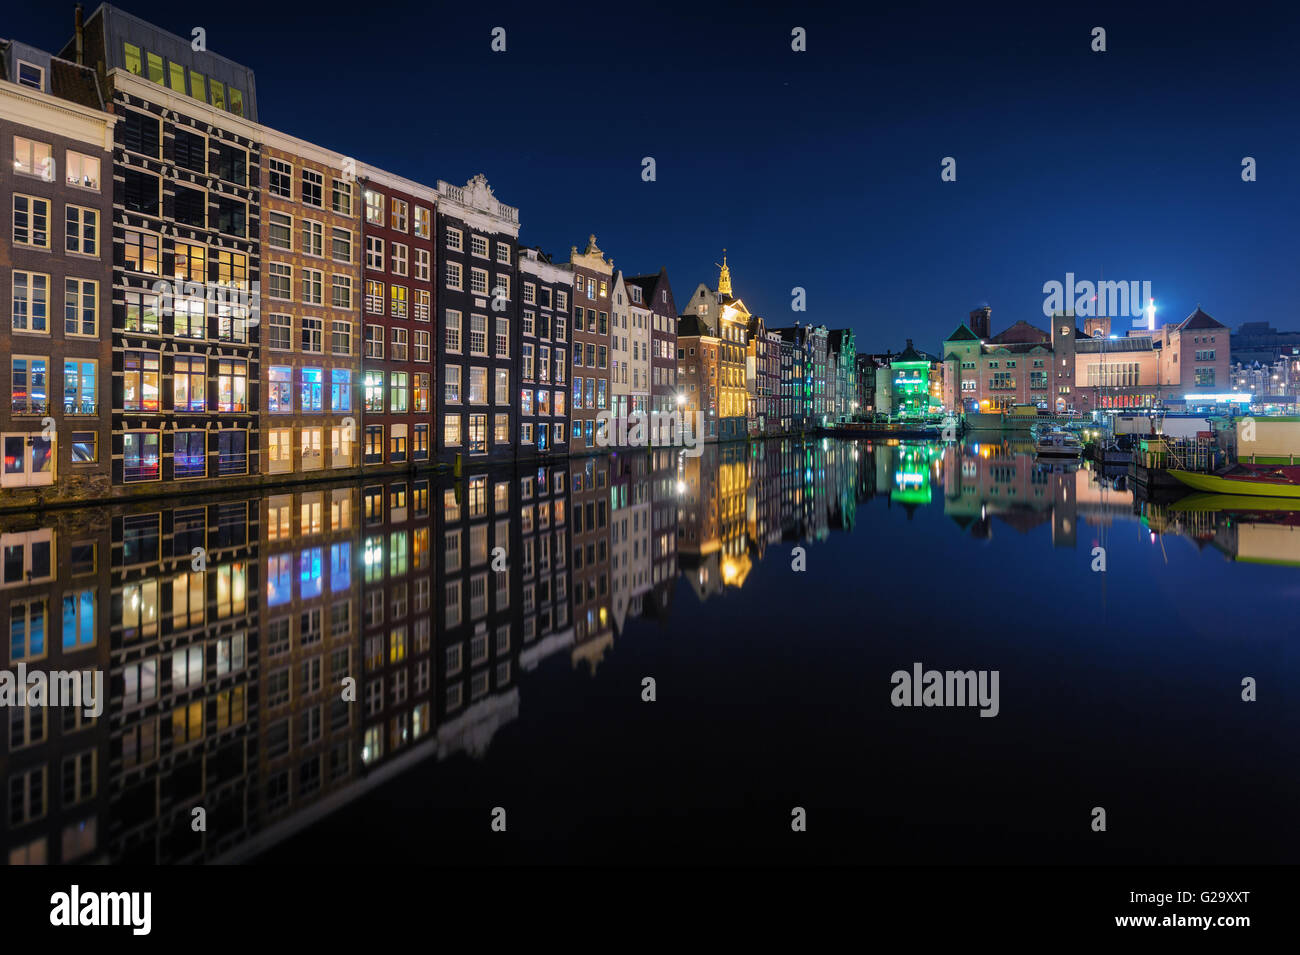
[[769, 591]]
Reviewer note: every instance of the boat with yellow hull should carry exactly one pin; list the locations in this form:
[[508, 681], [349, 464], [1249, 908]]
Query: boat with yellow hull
[[1265, 481]]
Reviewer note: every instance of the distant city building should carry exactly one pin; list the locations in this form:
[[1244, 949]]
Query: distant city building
[[1261, 342], [762, 377], [727, 319], [1068, 370], [1272, 386], [913, 384], [842, 368], [807, 374], [870, 369], [788, 365]]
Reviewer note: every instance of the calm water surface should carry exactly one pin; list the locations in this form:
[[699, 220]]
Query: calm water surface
[[522, 691]]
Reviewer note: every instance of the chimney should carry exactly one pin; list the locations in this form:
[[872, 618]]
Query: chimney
[[79, 21], [980, 321]]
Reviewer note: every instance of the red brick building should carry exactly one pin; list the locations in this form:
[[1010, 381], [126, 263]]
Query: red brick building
[[397, 357], [1073, 369], [56, 282]]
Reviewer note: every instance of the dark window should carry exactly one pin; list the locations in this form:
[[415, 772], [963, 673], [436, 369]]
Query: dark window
[[191, 207], [232, 458], [190, 151], [140, 192], [140, 539], [231, 164], [232, 524], [231, 216], [189, 525], [191, 454], [141, 134], [82, 557]]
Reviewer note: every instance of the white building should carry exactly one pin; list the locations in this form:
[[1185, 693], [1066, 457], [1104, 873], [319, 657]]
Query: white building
[[638, 334]]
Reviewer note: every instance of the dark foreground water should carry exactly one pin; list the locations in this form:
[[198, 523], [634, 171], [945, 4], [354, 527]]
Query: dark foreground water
[[486, 700]]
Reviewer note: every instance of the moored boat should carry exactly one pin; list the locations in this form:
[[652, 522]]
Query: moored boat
[[1252, 480], [1058, 444]]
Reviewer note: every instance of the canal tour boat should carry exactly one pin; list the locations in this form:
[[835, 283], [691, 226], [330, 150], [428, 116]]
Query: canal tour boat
[[1058, 444], [1253, 480]]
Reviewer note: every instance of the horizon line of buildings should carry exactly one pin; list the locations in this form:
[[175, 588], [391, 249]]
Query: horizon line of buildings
[[239, 305], [1194, 363]]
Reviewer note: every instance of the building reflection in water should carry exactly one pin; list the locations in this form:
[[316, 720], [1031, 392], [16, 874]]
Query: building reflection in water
[[268, 656]]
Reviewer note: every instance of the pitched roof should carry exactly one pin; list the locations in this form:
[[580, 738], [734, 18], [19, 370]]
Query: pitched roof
[[962, 334], [910, 353], [645, 283], [688, 325], [76, 83], [1020, 332], [652, 284], [1199, 319], [1020, 348]]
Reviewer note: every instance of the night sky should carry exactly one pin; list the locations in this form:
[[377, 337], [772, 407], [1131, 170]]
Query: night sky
[[821, 169]]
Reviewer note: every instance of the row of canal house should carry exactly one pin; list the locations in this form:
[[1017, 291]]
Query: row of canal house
[[197, 300], [743, 377]]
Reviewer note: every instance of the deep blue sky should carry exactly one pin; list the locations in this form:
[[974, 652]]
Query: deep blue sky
[[821, 169]]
